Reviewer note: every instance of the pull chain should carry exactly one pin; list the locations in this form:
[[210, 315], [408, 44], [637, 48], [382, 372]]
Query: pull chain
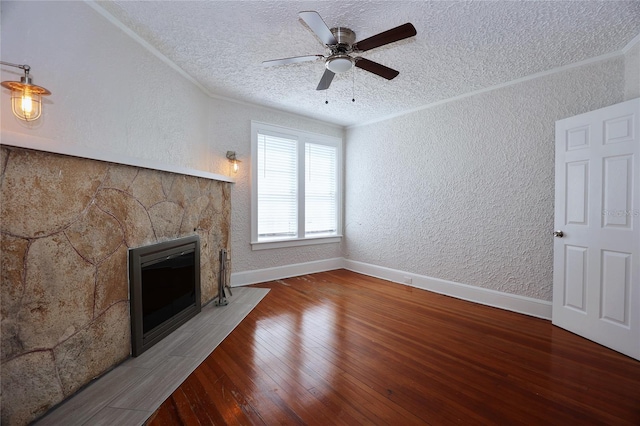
[[353, 88]]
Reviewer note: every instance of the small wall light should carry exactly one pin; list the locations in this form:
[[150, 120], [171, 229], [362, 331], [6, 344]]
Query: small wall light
[[26, 98], [231, 156]]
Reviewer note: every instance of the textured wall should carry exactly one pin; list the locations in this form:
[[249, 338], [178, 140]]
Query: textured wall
[[67, 224], [108, 92], [464, 191], [632, 72], [231, 128]]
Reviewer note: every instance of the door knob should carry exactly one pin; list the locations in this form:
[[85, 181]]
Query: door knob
[[558, 234]]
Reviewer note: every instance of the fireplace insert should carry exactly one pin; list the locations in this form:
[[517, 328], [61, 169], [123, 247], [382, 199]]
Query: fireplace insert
[[164, 283]]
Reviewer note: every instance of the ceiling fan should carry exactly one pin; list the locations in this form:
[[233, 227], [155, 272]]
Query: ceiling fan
[[341, 43]]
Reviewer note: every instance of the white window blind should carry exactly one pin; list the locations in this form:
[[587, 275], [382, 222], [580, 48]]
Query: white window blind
[[277, 187], [320, 190]]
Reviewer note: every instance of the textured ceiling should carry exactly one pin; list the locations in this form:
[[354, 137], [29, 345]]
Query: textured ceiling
[[460, 47]]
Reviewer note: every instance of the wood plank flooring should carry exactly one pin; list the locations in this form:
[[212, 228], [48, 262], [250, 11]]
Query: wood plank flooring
[[339, 348]]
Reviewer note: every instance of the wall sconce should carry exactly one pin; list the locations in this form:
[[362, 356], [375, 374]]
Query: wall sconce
[[26, 101], [231, 156]]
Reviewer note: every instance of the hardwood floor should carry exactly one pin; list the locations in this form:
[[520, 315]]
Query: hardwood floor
[[342, 348]]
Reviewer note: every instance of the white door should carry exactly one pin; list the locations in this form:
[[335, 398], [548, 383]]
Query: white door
[[596, 277]]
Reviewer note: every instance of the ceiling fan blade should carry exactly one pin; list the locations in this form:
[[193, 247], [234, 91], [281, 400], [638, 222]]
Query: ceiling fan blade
[[325, 81], [315, 22], [395, 34], [295, 59], [376, 68]]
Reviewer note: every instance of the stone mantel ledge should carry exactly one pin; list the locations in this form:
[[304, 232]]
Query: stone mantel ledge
[[21, 140]]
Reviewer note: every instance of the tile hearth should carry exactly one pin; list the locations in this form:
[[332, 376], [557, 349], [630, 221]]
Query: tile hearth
[[131, 392]]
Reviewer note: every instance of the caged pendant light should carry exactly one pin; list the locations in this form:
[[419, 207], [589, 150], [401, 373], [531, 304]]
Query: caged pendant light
[[232, 157], [26, 97]]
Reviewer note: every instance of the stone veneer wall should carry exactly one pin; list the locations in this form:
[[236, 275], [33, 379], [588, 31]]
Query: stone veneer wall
[[66, 226]]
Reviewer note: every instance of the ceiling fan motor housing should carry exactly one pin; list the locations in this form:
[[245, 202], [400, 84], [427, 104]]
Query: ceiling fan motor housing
[[345, 38], [340, 61]]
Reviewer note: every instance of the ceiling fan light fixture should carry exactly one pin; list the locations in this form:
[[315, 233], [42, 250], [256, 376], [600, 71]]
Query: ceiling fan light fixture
[[339, 64]]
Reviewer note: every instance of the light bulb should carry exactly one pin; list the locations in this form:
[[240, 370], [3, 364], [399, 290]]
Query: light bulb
[[26, 104], [231, 156]]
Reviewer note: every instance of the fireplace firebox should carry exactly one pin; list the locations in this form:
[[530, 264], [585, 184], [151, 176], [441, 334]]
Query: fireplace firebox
[[164, 284]]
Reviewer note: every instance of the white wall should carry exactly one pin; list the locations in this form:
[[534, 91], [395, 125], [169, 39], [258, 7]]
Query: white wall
[[231, 129], [108, 92], [464, 191], [632, 71]]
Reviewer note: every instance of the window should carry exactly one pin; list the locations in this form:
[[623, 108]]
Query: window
[[296, 187]]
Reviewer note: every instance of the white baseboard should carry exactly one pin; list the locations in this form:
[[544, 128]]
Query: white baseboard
[[511, 302], [280, 272]]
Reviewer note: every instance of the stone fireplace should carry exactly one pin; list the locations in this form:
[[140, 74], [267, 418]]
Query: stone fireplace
[[66, 226]]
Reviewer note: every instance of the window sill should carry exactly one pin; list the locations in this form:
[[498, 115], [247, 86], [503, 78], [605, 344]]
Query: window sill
[[265, 245]]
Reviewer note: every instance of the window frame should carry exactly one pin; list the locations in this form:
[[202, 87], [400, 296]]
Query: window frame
[[301, 138]]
